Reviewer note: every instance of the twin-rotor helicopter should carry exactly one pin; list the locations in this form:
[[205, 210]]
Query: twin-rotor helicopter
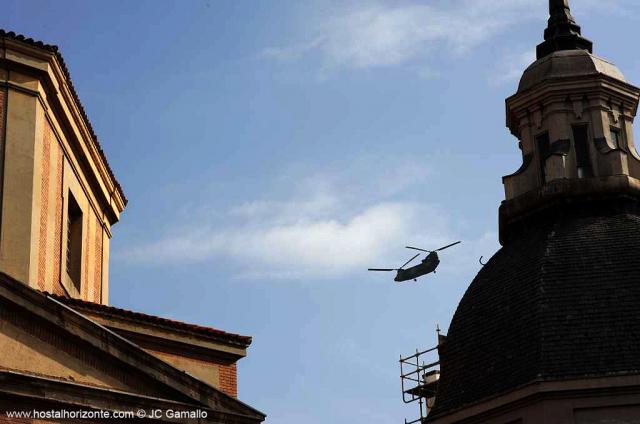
[[427, 266]]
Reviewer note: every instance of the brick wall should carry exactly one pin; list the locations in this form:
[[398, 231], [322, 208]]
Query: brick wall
[[222, 377], [43, 237], [86, 292], [92, 282], [50, 232], [97, 269], [2, 97], [229, 379], [92, 260], [51, 253], [57, 230]]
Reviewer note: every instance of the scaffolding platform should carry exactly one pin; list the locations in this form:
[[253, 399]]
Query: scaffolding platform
[[419, 376]]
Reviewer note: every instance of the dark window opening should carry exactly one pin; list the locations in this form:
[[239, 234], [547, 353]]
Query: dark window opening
[[580, 139], [544, 150], [74, 241], [615, 138]]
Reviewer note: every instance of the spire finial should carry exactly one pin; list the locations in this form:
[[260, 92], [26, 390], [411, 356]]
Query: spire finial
[[562, 32], [559, 11]]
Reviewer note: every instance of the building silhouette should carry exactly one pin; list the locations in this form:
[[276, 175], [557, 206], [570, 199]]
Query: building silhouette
[[549, 330], [62, 347]]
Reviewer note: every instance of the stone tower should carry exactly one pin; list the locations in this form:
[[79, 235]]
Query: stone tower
[[573, 114], [549, 330]]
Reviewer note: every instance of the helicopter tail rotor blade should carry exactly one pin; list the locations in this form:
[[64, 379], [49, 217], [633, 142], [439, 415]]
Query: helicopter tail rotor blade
[[409, 261], [451, 245], [381, 269], [416, 248]]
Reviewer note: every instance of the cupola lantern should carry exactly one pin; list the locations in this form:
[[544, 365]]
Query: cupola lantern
[[573, 115]]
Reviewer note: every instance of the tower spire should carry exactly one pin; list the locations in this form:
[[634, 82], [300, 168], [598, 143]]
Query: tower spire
[[562, 33]]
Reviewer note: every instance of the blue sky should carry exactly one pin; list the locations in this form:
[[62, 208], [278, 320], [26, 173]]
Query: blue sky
[[274, 150]]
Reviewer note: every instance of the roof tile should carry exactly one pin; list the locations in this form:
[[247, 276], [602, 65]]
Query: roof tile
[[221, 335], [54, 49], [560, 301]]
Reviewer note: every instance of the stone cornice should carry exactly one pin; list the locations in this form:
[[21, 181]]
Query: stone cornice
[[619, 192], [119, 348], [537, 391], [169, 338], [56, 93], [71, 395], [558, 89]]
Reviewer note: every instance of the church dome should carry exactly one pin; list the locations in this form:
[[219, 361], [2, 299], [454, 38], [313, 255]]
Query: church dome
[[558, 302], [557, 308], [567, 64]]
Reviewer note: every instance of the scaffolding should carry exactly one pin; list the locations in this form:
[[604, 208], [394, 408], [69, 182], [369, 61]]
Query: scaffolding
[[419, 375]]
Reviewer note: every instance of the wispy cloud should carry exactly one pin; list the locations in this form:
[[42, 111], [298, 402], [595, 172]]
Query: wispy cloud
[[292, 52], [326, 227], [382, 34], [301, 242], [387, 34], [511, 66]]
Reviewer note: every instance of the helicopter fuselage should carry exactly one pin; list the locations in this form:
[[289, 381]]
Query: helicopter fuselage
[[427, 266]]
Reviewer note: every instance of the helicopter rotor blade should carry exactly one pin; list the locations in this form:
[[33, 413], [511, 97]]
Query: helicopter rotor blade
[[409, 261], [416, 248], [381, 269], [451, 245]]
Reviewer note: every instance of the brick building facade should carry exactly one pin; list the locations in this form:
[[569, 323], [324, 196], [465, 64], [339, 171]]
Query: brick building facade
[[61, 345]]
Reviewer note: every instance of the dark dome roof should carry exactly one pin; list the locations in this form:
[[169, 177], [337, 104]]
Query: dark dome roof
[[560, 301], [567, 64]]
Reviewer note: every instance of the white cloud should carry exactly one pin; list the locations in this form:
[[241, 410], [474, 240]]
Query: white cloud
[[326, 227], [361, 35], [387, 34], [278, 239]]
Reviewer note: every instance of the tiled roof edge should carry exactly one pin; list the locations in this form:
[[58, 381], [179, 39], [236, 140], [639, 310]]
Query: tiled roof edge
[[215, 333], [54, 49]]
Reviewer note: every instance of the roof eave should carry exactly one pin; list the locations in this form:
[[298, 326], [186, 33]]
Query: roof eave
[[63, 81]]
